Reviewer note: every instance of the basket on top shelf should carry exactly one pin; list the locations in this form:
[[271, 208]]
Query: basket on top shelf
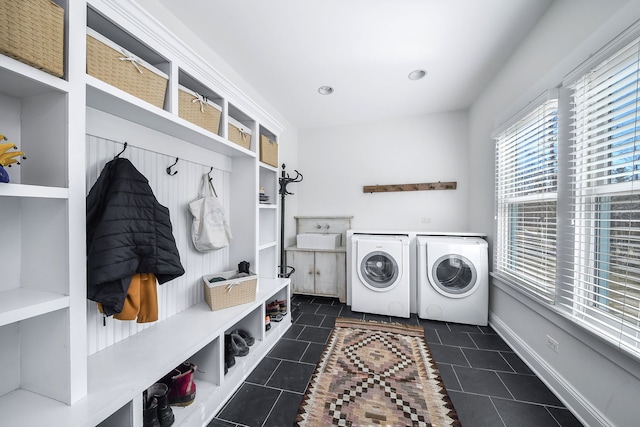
[[33, 32], [198, 110], [225, 291], [238, 133], [114, 65], [268, 151]]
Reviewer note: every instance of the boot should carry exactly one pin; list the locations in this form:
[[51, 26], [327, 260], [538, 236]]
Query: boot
[[165, 415], [229, 353], [182, 386], [150, 411]]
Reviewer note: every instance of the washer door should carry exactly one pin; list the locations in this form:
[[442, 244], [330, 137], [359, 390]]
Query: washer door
[[454, 276], [379, 271]]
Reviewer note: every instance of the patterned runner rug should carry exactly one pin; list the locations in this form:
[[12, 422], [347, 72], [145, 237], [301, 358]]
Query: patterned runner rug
[[376, 374]]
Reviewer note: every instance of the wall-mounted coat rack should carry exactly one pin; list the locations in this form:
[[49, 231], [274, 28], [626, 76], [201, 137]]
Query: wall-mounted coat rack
[[410, 187]]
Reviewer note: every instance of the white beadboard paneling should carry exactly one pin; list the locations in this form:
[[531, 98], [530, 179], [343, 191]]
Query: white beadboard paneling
[[173, 192]]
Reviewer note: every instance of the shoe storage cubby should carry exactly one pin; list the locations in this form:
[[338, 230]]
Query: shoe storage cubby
[[60, 361]]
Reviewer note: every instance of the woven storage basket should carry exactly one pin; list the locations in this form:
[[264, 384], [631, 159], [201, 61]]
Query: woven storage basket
[[239, 134], [198, 110], [268, 151], [33, 32], [228, 293], [108, 62]]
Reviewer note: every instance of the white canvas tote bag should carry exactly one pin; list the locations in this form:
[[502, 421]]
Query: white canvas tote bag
[[209, 230]]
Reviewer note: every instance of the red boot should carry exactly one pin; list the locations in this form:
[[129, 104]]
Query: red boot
[[182, 386]]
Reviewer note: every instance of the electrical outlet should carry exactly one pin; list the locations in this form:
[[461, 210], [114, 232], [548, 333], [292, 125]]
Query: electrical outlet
[[426, 220], [552, 344]]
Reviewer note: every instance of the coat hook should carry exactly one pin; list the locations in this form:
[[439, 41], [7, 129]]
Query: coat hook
[[124, 148], [169, 168], [209, 173]]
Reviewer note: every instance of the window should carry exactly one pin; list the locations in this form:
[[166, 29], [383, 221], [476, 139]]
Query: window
[[603, 289], [526, 197]]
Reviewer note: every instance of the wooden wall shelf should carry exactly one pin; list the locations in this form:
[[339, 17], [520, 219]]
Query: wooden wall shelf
[[410, 187]]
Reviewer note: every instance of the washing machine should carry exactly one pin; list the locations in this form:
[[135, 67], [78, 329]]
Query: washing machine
[[380, 274], [453, 279]]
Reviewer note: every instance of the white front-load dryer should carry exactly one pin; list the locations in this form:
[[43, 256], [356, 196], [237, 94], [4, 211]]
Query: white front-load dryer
[[380, 274], [453, 279]]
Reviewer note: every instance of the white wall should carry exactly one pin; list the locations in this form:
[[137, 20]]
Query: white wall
[[287, 141], [596, 380], [337, 162]]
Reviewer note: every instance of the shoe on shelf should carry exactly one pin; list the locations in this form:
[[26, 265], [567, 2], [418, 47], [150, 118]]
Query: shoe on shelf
[[160, 392], [150, 411], [245, 335], [273, 308], [229, 354], [239, 346], [267, 323], [283, 306], [181, 383]]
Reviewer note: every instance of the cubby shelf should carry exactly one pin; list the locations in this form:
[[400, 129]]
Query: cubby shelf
[[21, 303], [49, 371]]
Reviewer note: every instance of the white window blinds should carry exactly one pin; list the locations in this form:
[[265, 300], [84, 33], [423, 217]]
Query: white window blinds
[[526, 193], [602, 289]]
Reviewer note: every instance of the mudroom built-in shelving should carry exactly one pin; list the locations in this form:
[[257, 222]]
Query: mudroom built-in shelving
[[60, 360]]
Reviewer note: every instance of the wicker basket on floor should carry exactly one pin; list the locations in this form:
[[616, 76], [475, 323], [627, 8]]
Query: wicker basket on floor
[[198, 110], [229, 292], [114, 65], [268, 151], [33, 32], [238, 133]]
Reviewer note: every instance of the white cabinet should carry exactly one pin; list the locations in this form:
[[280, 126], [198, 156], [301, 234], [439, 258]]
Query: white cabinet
[[48, 372], [318, 272]]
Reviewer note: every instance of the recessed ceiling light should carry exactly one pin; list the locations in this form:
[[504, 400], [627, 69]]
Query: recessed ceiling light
[[417, 74], [325, 90]]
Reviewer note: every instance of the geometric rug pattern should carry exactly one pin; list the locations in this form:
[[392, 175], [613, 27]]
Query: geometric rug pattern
[[376, 374]]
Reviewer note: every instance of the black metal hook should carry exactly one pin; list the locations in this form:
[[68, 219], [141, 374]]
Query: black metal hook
[[123, 148], [285, 179], [169, 168], [209, 173]]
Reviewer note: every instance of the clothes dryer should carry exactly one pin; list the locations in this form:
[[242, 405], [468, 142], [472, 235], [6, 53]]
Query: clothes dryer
[[453, 279], [380, 274]]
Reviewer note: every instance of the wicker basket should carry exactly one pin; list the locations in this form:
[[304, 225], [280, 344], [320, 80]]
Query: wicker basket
[[198, 110], [239, 134], [229, 293], [33, 32], [112, 64], [268, 151]]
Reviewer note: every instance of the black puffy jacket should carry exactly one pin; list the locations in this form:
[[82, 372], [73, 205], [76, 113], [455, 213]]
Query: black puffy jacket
[[128, 232]]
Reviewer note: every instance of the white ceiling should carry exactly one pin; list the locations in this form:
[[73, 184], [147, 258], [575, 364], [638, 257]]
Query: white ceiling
[[364, 49]]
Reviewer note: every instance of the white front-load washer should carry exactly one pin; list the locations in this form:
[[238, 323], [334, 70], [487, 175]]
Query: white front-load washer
[[380, 274], [453, 279]]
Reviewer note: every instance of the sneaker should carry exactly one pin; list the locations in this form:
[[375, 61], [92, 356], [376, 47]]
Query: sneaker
[[229, 354]]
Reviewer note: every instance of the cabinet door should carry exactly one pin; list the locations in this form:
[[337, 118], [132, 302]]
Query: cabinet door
[[304, 276], [327, 273]]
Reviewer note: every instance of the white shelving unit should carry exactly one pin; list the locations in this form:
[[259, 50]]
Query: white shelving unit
[[47, 371]]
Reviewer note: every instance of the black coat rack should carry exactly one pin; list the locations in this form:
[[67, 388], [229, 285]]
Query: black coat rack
[[285, 179]]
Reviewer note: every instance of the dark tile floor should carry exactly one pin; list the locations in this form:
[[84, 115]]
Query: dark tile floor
[[487, 382]]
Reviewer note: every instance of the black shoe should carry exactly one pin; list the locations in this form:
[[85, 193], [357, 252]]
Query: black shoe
[[240, 347], [245, 335], [150, 412], [165, 415], [229, 353]]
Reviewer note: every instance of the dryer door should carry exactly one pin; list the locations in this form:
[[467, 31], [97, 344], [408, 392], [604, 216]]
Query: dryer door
[[454, 276], [379, 271]]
